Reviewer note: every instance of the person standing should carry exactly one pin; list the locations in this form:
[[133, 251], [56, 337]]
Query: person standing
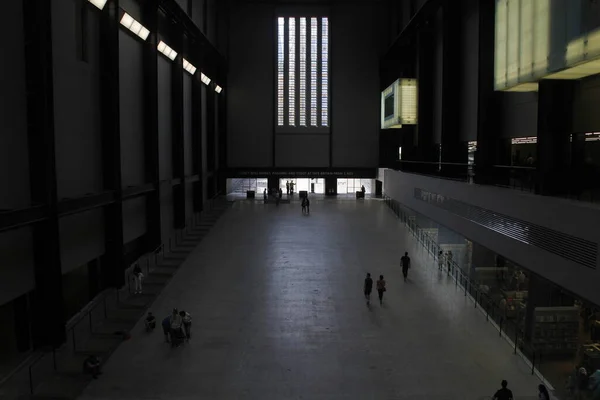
[[265, 195], [166, 325], [304, 205], [368, 288], [187, 323], [449, 260], [441, 260], [287, 188], [138, 276], [381, 288], [504, 393], [307, 205], [405, 262]]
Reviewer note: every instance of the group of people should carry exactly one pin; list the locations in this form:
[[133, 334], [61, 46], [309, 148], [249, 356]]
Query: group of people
[[289, 187], [177, 327], [504, 393], [381, 289], [445, 259], [583, 386]]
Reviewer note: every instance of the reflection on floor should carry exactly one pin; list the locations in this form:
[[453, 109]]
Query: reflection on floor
[[278, 310]]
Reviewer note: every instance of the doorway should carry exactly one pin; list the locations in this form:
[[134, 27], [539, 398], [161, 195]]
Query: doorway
[[354, 185], [311, 185]]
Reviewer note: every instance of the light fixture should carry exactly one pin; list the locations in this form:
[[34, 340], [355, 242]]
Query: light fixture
[[98, 3], [218, 89], [205, 79], [166, 50], [188, 66], [134, 26]]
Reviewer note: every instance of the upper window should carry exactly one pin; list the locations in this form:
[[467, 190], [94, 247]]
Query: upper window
[[303, 72]]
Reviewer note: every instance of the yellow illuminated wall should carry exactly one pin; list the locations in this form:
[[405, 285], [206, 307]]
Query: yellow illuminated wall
[[537, 39]]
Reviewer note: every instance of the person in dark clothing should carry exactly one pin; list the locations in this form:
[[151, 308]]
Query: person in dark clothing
[[381, 288], [368, 288], [91, 366], [166, 325], [150, 322], [504, 393], [304, 205], [405, 263], [543, 393], [307, 205]]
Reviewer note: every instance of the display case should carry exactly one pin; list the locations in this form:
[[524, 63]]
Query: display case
[[556, 330]]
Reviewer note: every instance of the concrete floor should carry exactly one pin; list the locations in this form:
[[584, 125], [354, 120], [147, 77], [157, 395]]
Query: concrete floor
[[278, 313]]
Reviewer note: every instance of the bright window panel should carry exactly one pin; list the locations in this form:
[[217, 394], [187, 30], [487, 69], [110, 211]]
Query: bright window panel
[[292, 71], [313, 71], [303, 51], [280, 71], [324, 72]]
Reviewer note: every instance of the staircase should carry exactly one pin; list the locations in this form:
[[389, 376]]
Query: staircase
[[58, 375]]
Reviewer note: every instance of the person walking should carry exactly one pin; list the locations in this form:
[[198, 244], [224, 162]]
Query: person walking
[[381, 288], [138, 276], [166, 325], [307, 205], [543, 393], [449, 260], [405, 262], [504, 393], [368, 288], [287, 188], [304, 205], [441, 260]]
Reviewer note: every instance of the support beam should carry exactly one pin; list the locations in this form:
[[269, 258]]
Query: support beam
[[153, 222], [48, 317], [177, 141], [197, 142], [112, 260]]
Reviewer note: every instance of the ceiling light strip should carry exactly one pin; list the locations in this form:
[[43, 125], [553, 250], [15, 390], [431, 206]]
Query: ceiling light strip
[[134, 26], [166, 50]]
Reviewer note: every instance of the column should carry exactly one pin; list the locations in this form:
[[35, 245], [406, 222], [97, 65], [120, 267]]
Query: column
[[555, 113], [112, 260], [150, 17], [48, 320], [177, 129]]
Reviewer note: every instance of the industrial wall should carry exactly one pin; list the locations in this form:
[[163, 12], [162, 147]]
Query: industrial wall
[[357, 37], [568, 217], [78, 142]]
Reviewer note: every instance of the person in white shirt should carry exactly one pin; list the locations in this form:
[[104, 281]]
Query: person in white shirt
[[138, 276]]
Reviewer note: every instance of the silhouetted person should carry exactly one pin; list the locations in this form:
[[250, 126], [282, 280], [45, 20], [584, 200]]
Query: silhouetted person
[[381, 288], [265, 195], [287, 187], [504, 393], [543, 393], [362, 189], [307, 205], [91, 366], [304, 205], [187, 323], [405, 262], [368, 288], [150, 322]]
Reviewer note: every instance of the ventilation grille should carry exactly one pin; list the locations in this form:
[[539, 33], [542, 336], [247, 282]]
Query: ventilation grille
[[570, 247]]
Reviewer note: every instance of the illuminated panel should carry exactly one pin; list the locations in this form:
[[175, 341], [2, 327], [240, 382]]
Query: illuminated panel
[[524, 140], [313, 71], [526, 41], [408, 101], [500, 47], [324, 71], [541, 36], [512, 50], [302, 94], [292, 71], [280, 70]]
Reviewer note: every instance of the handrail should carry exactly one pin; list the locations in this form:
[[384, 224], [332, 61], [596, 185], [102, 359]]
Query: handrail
[[470, 288]]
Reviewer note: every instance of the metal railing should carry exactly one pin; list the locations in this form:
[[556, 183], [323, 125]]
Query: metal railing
[[104, 301], [578, 183], [494, 312]]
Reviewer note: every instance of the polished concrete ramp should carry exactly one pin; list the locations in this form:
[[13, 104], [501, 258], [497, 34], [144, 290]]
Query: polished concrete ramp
[[278, 313]]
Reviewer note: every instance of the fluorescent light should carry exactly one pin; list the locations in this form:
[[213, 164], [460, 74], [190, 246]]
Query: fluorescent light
[[218, 89], [205, 79], [166, 50], [188, 66], [134, 26], [98, 3]]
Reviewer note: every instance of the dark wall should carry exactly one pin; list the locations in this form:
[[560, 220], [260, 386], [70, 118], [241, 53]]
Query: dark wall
[[357, 39]]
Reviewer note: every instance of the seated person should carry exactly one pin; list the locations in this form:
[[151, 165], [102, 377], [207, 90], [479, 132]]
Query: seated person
[[91, 365], [150, 322]]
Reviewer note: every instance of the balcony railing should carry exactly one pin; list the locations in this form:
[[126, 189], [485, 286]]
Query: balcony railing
[[582, 184]]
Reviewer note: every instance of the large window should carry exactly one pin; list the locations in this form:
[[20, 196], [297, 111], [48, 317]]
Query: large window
[[303, 72]]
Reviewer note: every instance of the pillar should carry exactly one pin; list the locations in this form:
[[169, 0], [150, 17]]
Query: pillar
[[555, 113]]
